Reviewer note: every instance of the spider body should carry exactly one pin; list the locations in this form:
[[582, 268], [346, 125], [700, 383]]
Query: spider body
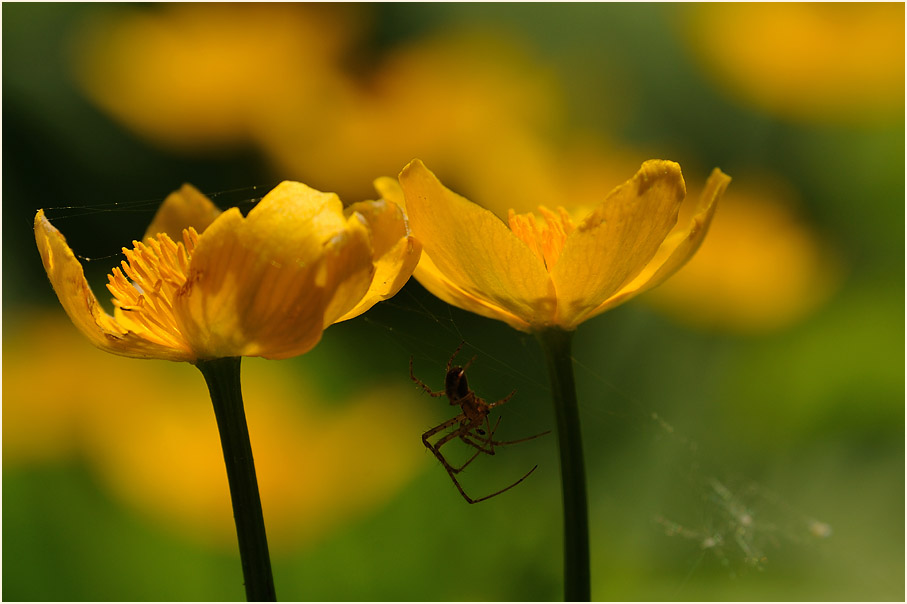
[[456, 389], [471, 426]]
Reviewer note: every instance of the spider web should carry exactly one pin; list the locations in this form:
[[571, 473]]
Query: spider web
[[139, 213], [739, 522]]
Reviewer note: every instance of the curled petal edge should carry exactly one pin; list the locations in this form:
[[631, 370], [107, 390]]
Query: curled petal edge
[[392, 271], [68, 280], [676, 250], [617, 240]]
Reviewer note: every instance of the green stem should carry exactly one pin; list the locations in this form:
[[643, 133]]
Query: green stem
[[556, 345], [222, 377]]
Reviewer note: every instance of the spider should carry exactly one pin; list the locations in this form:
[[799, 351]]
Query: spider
[[467, 426]]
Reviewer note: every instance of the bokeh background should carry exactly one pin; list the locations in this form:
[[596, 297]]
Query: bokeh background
[[743, 424]]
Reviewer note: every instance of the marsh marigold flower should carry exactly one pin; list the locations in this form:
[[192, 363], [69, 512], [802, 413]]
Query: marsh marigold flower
[[813, 61], [198, 77], [205, 285], [554, 269]]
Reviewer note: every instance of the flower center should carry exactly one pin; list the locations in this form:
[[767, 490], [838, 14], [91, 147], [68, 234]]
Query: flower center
[[156, 270], [545, 239]]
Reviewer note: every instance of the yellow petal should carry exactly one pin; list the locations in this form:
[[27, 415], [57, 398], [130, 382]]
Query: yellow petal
[[266, 284], [434, 281], [616, 241], [182, 209], [474, 249], [385, 222], [390, 189], [68, 280], [347, 272], [395, 253], [343, 243], [678, 248]]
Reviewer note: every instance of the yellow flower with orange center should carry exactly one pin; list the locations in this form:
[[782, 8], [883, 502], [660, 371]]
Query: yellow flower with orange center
[[553, 269], [210, 288], [204, 284]]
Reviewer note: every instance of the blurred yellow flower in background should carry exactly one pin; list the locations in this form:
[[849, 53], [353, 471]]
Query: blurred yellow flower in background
[[157, 450], [535, 172], [840, 62], [202, 77], [458, 100], [263, 285], [199, 76], [761, 267], [42, 425], [554, 269], [473, 103]]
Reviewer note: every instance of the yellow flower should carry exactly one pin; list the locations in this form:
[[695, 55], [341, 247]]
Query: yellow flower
[[552, 270], [264, 285], [811, 61], [201, 76]]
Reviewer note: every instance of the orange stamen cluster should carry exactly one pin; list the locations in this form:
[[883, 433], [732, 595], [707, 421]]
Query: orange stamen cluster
[[545, 240], [156, 270]]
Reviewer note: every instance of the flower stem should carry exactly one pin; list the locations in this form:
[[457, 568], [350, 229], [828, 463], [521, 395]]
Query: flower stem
[[222, 377], [556, 346]]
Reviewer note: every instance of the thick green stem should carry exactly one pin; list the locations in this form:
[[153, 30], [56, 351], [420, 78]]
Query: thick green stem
[[556, 345], [222, 376]]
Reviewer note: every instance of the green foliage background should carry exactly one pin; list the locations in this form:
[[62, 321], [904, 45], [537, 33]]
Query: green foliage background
[[799, 426]]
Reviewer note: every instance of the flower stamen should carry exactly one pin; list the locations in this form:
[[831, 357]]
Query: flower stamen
[[545, 240], [156, 269]]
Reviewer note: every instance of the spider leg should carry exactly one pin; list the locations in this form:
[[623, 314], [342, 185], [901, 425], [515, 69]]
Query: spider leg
[[502, 401], [452, 471], [458, 432], [424, 386], [429, 433], [491, 443], [460, 488], [466, 463], [521, 440], [496, 493], [478, 441], [464, 428], [435, 448], [491, 431], [485, 443], [454, 355], [453, 478]]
